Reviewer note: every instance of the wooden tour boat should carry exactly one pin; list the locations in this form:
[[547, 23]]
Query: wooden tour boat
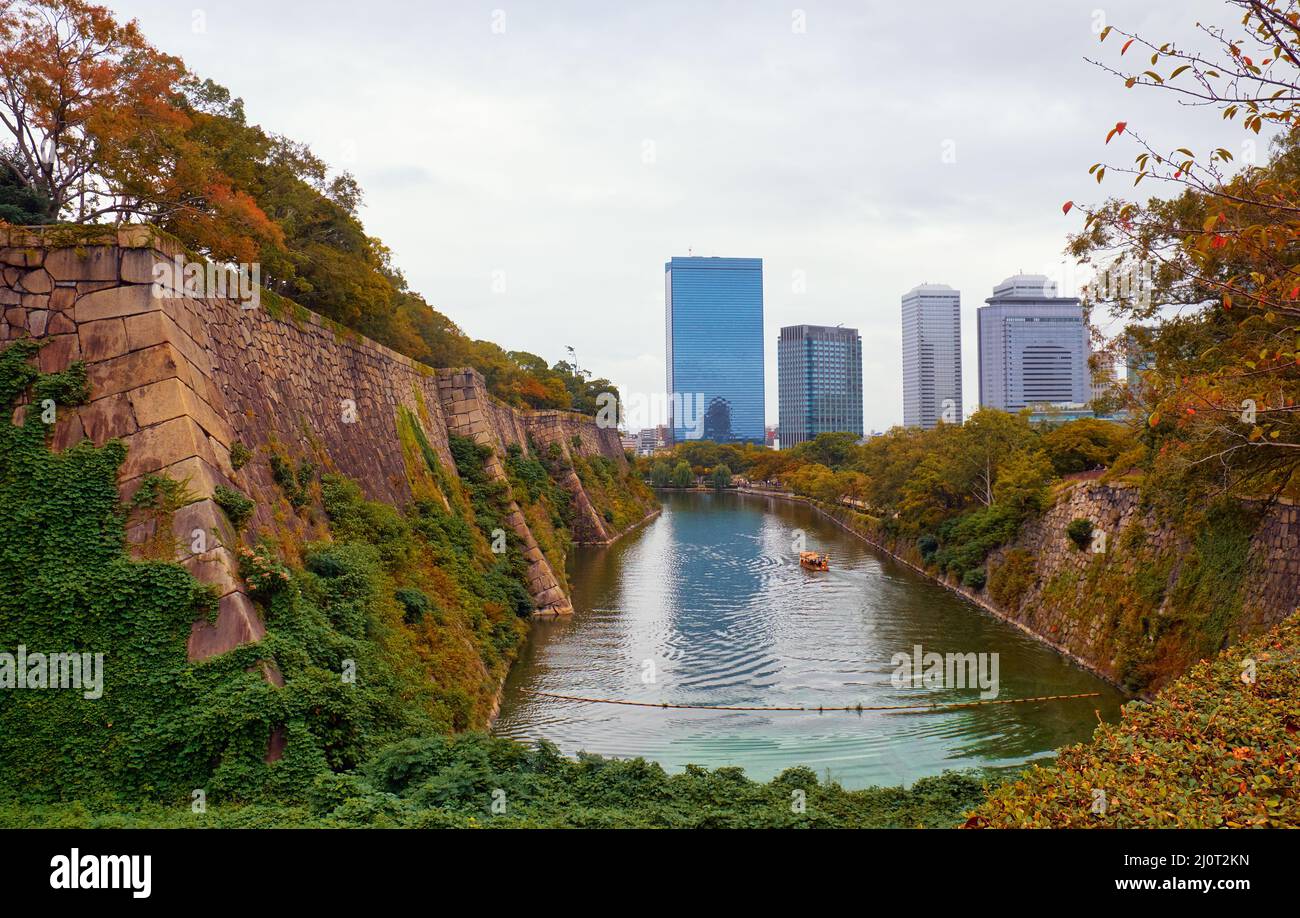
[[815, 561]]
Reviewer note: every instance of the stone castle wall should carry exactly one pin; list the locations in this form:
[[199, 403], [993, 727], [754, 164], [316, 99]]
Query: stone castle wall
[[184, 381], [1269, 589]]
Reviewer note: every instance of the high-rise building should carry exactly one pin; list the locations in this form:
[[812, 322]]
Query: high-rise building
[[819, 379], [931, 356], [714, 340], [1104, 381], [1033, 346]]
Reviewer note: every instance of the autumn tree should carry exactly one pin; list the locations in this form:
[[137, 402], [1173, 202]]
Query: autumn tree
[[98, 129], [1220, 404]]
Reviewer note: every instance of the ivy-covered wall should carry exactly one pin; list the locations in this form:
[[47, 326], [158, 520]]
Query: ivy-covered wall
[[249, 404], [291, 545]]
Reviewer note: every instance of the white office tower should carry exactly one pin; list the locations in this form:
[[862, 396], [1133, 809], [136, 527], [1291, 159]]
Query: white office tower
[[931, 356], [1033, 346]]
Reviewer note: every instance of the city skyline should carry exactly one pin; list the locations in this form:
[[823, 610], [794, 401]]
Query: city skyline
[[739, 134]]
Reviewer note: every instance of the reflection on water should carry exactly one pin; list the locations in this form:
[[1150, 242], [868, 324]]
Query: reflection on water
[[710, 599]]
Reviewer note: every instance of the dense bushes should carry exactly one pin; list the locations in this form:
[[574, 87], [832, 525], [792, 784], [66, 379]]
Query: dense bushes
[[965, 541], [1079, 531], [473, 780], [618, 494], [1217, 748]]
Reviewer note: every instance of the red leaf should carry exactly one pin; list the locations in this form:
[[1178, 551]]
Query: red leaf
[[1066, 208], [1125, 48], [1119, 126]]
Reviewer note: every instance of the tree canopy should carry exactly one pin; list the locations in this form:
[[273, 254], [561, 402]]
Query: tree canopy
[[103, 127], [1217, 318]]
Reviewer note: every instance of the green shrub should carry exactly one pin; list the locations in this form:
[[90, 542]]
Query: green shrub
[[295, 483], [415, 604], [1079, 532], [974, 578], [239, 456], [238, 507], [966, 540]]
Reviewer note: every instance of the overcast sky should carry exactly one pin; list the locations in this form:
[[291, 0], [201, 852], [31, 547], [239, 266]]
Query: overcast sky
[[567, 149]]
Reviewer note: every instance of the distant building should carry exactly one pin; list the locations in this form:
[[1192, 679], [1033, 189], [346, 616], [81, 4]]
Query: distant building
[[1137, 359], [1033, 346], [931, 356], [772, 436], [819, 378], [647, 441], [714, 341], [1104, 381], [630, 443]]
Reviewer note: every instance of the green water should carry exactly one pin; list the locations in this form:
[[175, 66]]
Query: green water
[[709, 600]]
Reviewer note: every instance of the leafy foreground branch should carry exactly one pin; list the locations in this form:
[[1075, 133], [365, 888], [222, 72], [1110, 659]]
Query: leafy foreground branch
[[1212, 750]]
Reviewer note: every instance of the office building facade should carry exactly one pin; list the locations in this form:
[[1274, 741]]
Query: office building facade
[[931, 356], [1033, 346], [819, 377], [714, 341]]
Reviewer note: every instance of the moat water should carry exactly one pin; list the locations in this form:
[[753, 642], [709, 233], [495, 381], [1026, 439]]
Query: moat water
[[709, 602]]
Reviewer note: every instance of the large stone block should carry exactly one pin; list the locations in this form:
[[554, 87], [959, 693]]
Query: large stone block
[[106, 418], [102, 339], [216, 567], [237, 623], [171, 398], [204, 515], [138, 265], [152, 448], [95, 263], [58, 353], [37, 281], [62, 298], [138, 368], [199, 475], [115, 302], [22, 257]]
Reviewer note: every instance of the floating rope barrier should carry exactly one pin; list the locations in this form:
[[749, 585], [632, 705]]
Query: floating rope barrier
[[819, 710]]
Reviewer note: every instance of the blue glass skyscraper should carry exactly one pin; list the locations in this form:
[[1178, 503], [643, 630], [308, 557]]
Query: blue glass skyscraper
[[714, 329]]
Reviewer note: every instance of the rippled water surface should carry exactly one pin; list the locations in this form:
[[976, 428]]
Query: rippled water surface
[[712, 592]]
